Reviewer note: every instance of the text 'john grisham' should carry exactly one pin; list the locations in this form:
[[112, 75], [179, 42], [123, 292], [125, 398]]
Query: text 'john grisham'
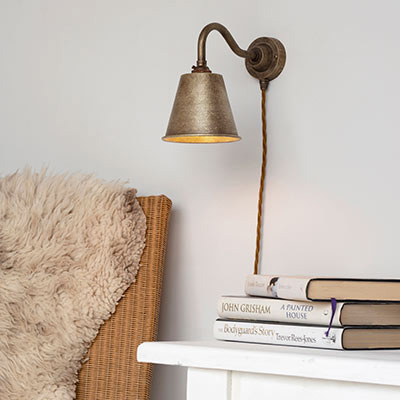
[[292, 311]]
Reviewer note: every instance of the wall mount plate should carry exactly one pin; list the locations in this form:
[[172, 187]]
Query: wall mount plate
[[269, 61]]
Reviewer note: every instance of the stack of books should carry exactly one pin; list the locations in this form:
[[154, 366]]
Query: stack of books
[[349, 314]]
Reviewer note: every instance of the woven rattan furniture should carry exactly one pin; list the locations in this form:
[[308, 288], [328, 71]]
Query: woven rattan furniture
[[112, 372]]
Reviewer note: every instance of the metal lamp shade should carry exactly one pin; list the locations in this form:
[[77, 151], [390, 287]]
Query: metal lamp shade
[[201, 111]]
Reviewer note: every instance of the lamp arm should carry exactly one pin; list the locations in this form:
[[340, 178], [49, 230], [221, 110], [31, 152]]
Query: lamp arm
[[264, 58], [201, 44]]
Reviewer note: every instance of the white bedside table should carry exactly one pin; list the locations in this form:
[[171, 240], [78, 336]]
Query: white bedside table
[[241, 371]]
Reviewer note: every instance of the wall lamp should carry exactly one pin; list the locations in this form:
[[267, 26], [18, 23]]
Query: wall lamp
[[201, 112]]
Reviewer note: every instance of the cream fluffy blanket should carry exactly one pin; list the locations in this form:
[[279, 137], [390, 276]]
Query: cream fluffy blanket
[[69, 247]]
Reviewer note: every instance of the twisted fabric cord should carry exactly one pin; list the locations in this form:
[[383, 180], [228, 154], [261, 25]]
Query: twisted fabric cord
[[262, 179]]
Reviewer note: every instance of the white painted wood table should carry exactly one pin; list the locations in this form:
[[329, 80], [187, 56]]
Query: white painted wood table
[[241, 371]]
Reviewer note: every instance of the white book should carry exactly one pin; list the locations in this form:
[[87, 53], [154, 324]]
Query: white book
[[321, 289], [346, 338], [309, 313]]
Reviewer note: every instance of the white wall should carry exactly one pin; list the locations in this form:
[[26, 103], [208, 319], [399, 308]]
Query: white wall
[[88, 86]]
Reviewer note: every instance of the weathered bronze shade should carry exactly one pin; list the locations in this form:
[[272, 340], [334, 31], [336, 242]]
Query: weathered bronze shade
[[201, 112]]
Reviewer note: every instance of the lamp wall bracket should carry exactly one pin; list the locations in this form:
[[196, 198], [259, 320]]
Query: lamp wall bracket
[[264, 58]]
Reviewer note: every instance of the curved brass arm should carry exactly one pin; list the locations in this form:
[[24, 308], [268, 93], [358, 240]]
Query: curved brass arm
[[201, 44], [264, 58]]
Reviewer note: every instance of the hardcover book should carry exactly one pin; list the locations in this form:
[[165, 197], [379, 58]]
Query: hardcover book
[[347, 338], [309, 313], [307, 289]]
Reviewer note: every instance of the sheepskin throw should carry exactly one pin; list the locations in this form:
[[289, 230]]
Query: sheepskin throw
[[69, 247]]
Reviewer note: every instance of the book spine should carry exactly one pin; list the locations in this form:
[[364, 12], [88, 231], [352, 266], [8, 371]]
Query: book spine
[[287, 335], [264, 309], [292, 288]]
